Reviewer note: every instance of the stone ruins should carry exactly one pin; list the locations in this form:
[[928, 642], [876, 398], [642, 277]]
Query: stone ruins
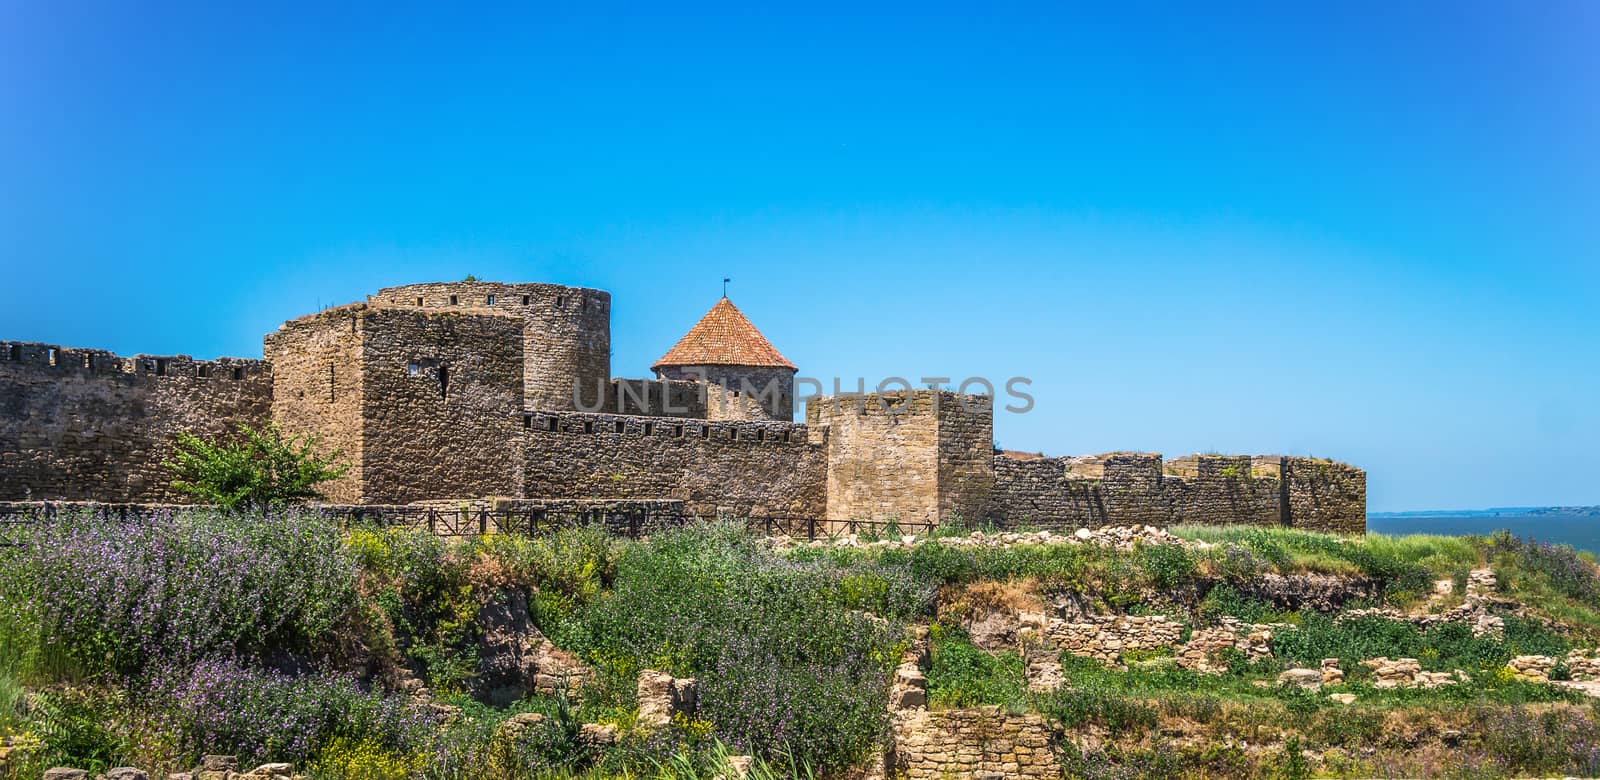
[[473, 390]]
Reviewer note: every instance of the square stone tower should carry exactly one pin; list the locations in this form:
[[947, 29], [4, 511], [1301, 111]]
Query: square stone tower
[[421, 403], [926, 455]]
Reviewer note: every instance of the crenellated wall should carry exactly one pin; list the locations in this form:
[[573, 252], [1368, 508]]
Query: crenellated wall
[[566, 332], [1125, 488], [88, 424], [465, 389], [924, 455], [755, 469]]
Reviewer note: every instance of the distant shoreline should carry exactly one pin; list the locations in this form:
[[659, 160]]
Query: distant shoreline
[[1578, 526], [1516, 511]]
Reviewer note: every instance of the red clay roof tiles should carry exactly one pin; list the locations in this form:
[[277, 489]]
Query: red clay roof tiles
[[724, 337]]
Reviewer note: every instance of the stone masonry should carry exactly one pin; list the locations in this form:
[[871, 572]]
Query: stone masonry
[[475, 390], [88, 424], [985, 743]]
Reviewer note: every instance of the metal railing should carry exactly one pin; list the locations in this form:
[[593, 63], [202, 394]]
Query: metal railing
[[626, 519]]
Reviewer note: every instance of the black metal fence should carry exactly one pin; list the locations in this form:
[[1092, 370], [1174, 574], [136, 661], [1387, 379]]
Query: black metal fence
[[628, 519]]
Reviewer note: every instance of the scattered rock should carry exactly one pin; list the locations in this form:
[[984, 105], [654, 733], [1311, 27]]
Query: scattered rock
[[65, 773], [662, 696], [124, 773], [1343, 698], [597, 735], [1407, 673], [1309, 679], [515, 660], [216, 763], [1532, 668], [1331, 673], [740, 766]]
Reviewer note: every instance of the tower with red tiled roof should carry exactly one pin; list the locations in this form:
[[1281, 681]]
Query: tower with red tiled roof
[[725, 349]]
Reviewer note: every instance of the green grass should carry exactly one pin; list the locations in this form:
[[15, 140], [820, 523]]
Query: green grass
[[962, 674]]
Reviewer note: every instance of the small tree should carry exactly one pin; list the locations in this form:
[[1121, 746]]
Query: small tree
[[257, 467]]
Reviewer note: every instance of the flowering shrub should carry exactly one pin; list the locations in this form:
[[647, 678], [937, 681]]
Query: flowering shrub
[[1566, 570], [219, 707], [785, 665], [97, 596]]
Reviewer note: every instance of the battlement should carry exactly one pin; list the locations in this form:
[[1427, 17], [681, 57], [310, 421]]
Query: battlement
[[566, 332], [752, 433], [477, 388], [34, 355], [743, 468], [515, 298], [90, 424], [1208, 489]]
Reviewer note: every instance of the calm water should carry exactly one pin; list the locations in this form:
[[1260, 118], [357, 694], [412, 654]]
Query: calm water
[[1579, 530]]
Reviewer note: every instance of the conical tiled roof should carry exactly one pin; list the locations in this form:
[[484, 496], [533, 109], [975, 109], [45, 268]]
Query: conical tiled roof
[[724, 337]]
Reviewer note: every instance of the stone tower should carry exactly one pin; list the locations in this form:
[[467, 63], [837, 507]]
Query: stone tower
[[566, 332], [726, 351], [420, 403]]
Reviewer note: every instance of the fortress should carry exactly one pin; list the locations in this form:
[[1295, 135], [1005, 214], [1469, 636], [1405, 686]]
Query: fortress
[[469, 390]]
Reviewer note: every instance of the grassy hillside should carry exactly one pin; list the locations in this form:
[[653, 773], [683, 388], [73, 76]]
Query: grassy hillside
[[379, 653]]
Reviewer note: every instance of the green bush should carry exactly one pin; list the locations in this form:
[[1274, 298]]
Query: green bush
[[1443, 647], [786, 665], [962, 674], [1091, 701], [1166, 566], [257, 468]]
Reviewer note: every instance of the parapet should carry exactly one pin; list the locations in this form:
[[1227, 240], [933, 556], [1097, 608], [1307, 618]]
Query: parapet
[[566, 332], [1204, 489], [55, 358]]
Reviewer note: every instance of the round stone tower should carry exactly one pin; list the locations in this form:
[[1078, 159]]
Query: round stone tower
[[725, 349], [566, 332]]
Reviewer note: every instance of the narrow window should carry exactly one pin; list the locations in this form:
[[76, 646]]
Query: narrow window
[[413, 369], [452, 300], [648, 428], [88, 361], [786, 438], [491, 300], [202, 370], [330, 383], [419, 300], [705, 431], [55, 356], [733, 434], [550, 424], [588, 426], [761, 435], [527, 422], [161, 367], [238, 373], [677, 431], [560, 301], [444, 380], [16, 351], [621, 426], [525, 300]]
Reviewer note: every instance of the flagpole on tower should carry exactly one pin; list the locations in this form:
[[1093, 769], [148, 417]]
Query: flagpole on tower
[[725, 281]]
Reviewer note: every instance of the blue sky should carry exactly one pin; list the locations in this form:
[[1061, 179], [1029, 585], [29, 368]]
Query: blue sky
[[1366, 232]]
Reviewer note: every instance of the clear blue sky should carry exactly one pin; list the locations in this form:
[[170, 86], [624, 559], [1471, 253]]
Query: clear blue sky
[[1369, 233]]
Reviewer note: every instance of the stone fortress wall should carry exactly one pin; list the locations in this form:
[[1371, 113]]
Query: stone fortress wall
[[745, 469], [566, 331], [88, 424], [1123, 488], [465, 390], [421, 403]]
